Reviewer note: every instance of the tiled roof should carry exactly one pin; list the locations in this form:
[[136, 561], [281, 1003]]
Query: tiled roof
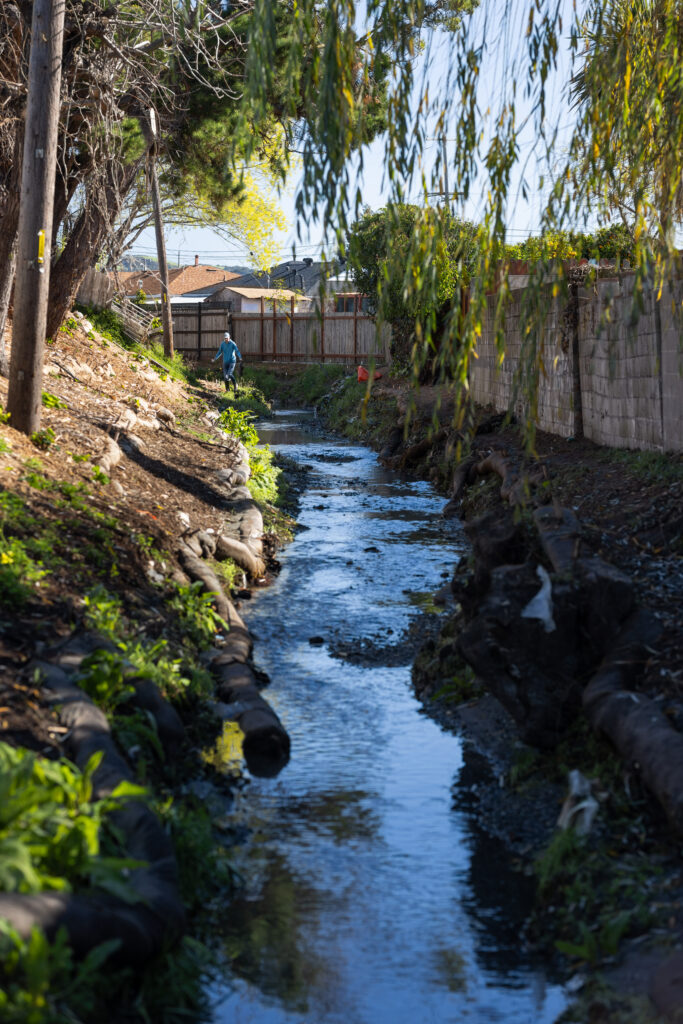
[[180, 280]]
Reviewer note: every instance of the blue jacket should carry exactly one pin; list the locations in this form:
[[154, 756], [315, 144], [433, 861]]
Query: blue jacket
[[229, 351]]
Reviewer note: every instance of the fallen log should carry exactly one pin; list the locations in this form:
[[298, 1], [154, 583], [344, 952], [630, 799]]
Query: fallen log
[[142, 927], [266, 744], [636, 726], [229, 547], [419, 449], [200, 572], [462, 478]]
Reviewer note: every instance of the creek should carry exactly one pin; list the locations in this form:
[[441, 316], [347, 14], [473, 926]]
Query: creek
[[369, 895]]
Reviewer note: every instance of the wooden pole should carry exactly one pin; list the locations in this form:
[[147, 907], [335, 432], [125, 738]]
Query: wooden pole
[[355, 329], [291, 331], [274, 329], [199, 331], [166, 320], [24, 400], [263, 316], [322, 331]]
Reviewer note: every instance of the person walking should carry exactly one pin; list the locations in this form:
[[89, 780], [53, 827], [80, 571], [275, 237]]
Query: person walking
[[231, 354]]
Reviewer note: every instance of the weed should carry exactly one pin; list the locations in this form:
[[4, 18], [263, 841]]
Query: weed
[[69, 325], [51, 401], [103, 612], [315, 381], [239, 425], [229, 572], [204, 869], [199, 619], [249, 398], [136, 733], [39, 481], [40, 978], [651, 467], [5, 446], [524, 765], [52, 834], [462, 687], [44, 438], [593, 893], [102, 677], [19, 573], [99, 476], [5, 417], [263, 482]]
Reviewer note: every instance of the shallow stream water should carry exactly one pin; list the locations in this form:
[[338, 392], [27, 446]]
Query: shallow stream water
[[369, 896]]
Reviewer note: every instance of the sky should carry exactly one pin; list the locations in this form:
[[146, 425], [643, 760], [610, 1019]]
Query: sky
[[503, 55]]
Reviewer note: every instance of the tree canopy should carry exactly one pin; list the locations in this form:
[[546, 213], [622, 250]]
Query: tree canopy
[[627, 130]]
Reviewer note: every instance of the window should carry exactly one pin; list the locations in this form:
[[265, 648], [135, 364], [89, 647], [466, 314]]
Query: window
[[346, 303]]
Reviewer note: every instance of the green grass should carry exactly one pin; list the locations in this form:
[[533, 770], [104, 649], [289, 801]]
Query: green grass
[[109, 326], [301, 388], [651, 467], [357, 414]]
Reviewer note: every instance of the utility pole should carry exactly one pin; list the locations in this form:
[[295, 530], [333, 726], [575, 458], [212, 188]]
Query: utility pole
[[166, 321], [34, 235], [445, 172]]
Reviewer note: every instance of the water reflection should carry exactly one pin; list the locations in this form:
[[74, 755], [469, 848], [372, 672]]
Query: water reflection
[[368, 898], [265, 940]]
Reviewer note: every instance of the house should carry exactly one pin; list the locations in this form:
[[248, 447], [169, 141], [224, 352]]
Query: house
[[187, 284], [253, 300], [305, 277]]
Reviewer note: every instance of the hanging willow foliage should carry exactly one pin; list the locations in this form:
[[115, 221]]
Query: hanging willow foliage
[[624, 157]]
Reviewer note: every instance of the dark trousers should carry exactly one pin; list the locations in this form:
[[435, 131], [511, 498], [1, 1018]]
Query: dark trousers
[[229, 375]]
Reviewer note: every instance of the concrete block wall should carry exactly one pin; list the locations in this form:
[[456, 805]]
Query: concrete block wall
[[493, 383], [631, 378], [620, 388], [671, 312]]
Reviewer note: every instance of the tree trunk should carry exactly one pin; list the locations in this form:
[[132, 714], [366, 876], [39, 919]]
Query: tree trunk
[[161, 256], [35, 215], [82, 247], [8, 240]]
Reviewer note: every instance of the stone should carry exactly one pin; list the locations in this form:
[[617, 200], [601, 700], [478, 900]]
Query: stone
[[537, 676]]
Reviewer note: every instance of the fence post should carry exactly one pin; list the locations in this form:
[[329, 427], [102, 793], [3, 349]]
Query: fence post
[[355, 330], [199, 332], [322, 331], [263, 314], [274, 329], [291, 331]]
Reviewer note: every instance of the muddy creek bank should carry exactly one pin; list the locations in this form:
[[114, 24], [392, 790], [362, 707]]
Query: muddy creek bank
[[369, 891]]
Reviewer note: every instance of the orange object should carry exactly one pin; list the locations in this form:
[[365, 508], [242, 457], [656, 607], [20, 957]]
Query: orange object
[[364, 375]]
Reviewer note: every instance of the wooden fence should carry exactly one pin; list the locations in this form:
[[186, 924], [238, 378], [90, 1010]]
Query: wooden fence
[[198, 328], [278, 336]]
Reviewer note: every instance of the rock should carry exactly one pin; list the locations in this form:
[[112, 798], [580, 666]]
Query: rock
[[132, 441], [667, 987], [165, 415], [316, 641], [537, 676], [184, 519], [118, 489], [86, 325], [126, 420]]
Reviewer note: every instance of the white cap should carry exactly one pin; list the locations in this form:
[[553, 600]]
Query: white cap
[[227, 334]]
